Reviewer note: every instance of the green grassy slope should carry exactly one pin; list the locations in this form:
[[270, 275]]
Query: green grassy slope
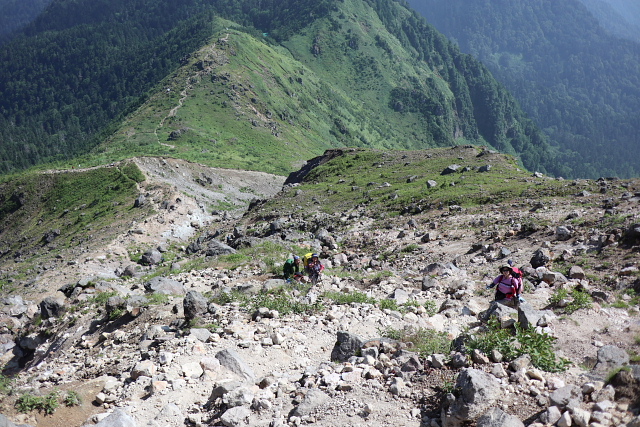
[[383, 183], [245, 101], [45, 214]]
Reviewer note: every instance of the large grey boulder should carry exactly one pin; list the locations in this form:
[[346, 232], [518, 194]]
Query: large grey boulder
[[52, 307], [496, 417], [450, 169], [479, 391], [632, 235], [118, 418], [563, 233], [151, 257], [610, 357], [440, 269], [164, 285], [504, 314], [313, 399], [567, 396], [529, 317], [4, 422], [236, 416], [576, 272], [347, 345], [217, 248], [429, 282], [194, 304], [231, 360], [114, 304], [13, 306], [540, 258]]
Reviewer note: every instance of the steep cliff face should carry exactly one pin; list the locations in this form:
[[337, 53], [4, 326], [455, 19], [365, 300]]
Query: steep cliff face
[[299, 175]]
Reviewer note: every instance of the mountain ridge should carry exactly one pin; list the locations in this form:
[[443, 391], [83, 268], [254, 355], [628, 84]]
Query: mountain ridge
[[420, 109]]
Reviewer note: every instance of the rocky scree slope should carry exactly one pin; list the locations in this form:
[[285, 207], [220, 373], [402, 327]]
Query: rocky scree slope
[[226, 342]]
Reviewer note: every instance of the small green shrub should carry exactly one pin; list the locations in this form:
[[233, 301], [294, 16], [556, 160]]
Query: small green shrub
[[157, 298], [230, 297], [117, 313], [341, 298], [581, 299], [512, 344], [72, 398], [236, 259], [283, 303], [382, 275], [6, 384], [131, 171], [47, 404], [558, 295], [410, 248], [423, 341], [577, 299], [620, 304], [102, 297], [431, 307], [388, 304], [611, 374], [28, 402]]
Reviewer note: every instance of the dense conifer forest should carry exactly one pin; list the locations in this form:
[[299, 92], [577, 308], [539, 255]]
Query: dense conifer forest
[[576, 80]]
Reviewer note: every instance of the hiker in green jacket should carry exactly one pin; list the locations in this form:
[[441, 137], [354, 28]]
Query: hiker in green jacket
[[292, 267]]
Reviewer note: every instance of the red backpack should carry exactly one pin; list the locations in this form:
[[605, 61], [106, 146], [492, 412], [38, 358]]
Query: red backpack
[[517, 274]]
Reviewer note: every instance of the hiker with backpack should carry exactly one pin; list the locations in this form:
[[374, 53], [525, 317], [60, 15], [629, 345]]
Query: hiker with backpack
[[292, 268], [517, 274], [508, 287], [313, 267]]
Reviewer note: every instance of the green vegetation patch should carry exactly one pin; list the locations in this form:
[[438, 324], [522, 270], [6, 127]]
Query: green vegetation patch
[[47, 404], [285, 300], [422, 340], [65, 209], [576, 297], [515, 343], [413, 181]]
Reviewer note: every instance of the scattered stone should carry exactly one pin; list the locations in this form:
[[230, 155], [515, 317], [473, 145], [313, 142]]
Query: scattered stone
[[194, 305], [164, 285], [231, 360], [479, 391], [496, 417], [312, 401], [347, 345]]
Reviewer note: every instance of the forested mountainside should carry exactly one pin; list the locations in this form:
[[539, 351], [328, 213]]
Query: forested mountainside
[[275, 77], [15, 14], [620, 17], [579, 83]]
